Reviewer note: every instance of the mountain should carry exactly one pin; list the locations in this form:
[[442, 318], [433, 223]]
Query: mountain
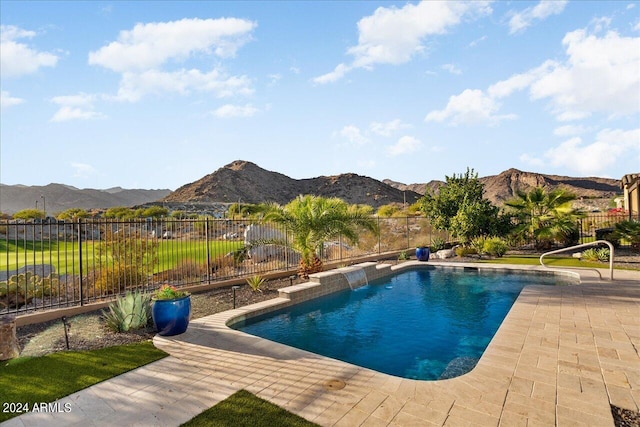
[[246, 182], [593, 192], [58, 197]]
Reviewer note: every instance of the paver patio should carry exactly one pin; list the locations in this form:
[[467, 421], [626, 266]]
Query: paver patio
[[561, 356]]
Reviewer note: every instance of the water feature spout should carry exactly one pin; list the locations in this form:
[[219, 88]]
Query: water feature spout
[[356, 276]]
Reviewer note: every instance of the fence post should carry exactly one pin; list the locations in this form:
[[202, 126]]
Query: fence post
[[379, 236], [407, 230], [206, 238], [80, 261]]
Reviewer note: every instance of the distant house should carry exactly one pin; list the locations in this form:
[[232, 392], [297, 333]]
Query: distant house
[[631, 186]]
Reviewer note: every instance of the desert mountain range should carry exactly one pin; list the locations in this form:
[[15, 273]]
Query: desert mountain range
[[248, 183]]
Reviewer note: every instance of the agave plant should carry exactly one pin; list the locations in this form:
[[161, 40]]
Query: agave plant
[[131, 311], [255, 282]]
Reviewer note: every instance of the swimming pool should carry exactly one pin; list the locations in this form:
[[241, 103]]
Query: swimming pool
[[424, 324]]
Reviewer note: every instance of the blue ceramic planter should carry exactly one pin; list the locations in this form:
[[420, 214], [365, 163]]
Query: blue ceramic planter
[[171, 316], [422, 254]]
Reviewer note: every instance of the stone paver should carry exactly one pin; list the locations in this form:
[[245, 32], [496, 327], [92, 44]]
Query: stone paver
[[561, 356]]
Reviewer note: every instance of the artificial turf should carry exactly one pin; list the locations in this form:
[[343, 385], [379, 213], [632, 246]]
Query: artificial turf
[[26, 381], [243, 409]]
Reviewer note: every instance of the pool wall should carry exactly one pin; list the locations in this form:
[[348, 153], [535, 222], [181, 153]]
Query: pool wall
[[328, 282]]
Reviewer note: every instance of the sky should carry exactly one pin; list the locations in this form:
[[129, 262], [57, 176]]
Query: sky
[[159, 94]]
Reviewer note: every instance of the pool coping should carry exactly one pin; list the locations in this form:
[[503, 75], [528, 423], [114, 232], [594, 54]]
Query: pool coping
[[561, 356]]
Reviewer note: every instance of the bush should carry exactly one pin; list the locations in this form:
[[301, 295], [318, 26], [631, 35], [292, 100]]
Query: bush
[[463, 251], [113, 281], [21, 288], [133, 311], [478, 244], [403, 256], [596, 254], [630, 231], [437, 244], [495, 246]]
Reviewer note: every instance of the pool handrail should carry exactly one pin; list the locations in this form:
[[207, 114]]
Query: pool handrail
[[584, 245]]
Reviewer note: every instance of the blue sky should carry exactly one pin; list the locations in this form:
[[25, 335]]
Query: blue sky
[[159, 94]]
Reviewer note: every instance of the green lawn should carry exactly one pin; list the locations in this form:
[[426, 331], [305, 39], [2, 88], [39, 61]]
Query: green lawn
[[29, 380], [243, 409], [549, 261], [65, 258]]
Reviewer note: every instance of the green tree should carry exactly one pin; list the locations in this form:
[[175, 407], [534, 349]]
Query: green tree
[[118, 212], [29, 214], [73, 214], [546, 216], [155, 212], [312, 220], [460, 208]]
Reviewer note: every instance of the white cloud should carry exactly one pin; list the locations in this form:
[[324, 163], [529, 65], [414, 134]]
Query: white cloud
[[522, 81], [470, 107], [7, 100], [598, 76], [148, 57], [388, 128], [82, 170], [521, 20], [405, 145], [18, 59], [366, 164], [75, 107], [149, 46], [589, 159], [530, 160], [477, 41], [569, 130], [354, 135], [452, 69], [134, 86], [394, 36], [333, 76], [230, 111]]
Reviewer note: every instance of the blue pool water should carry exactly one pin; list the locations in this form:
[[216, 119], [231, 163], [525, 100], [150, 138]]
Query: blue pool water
[[425, 324]]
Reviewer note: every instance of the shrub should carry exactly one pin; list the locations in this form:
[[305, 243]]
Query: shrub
[[255, 282], [495, 246], [403, 256], [590, 254], [21, 288], [133, 311], [630, 231], [596, 254], [437, 244], [119, 278], [478, 244], [463, 251]]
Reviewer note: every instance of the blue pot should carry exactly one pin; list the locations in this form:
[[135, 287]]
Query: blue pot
[[422, 254], [171, 316]]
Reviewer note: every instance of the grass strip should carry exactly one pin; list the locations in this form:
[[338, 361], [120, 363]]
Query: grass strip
[[243, 409], [552, 261], [29, 380]]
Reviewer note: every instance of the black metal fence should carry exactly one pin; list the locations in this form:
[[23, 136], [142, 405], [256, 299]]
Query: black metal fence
[[64, 264]]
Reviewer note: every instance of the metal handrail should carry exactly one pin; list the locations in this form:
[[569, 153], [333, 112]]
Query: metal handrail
[[584, 245]]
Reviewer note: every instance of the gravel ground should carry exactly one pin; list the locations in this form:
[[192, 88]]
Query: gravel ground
[[88, 331]]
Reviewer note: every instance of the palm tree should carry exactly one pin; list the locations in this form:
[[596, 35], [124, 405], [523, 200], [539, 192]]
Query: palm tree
[[312, 220], [545, 216]]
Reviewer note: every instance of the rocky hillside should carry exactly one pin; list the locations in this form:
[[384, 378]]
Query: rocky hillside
[[58, 197], [595, 193], [246, 182]]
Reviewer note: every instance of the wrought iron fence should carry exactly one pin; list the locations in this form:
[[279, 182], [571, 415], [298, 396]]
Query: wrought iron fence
[[63, 264]]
